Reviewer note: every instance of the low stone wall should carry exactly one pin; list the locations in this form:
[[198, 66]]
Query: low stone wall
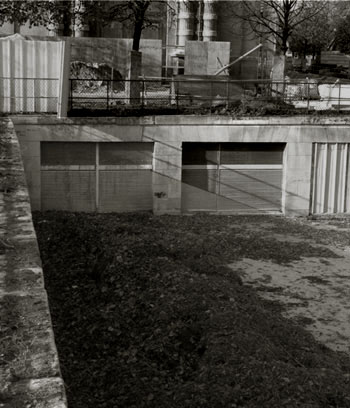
[[29, 375]]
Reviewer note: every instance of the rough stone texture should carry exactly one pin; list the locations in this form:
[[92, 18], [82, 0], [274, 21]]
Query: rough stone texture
[[29, 375]]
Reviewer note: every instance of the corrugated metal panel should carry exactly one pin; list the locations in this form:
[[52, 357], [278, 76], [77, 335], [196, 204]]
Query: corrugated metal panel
[[68, 153], [68, 190], [330, 190], [250, 190], [38, 62], [128, 190]]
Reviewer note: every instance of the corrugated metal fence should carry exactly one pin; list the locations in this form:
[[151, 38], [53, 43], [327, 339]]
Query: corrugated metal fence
[[29, 74], [330, 184]]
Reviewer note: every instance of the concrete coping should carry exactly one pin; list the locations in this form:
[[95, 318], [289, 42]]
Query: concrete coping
[[183, 120]]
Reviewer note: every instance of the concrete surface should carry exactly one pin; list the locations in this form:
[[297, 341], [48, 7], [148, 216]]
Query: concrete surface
[[29, 374], [314, 290], [169, 132]]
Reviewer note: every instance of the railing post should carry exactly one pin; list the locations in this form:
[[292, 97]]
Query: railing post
[[177, 97], [227, 94], [339, 96], [308, 94], [71, 94], [143, 93], [108, 85]]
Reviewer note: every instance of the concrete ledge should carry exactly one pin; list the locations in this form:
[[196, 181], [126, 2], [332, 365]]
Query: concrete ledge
[[207, 120], [30, 374]]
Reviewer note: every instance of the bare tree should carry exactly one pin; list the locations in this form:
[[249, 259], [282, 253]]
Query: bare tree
[[139, 14], [276, 20]]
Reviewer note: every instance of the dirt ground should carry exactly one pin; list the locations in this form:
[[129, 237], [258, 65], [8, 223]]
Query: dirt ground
[[176, 311], [315, 290]]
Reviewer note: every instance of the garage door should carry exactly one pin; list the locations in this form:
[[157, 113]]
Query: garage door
[[102, 177], [233, 177]]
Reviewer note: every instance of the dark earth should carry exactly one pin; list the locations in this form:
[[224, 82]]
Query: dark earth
[[147, 314]]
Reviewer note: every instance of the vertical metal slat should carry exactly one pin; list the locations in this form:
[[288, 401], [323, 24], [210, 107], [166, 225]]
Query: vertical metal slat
[[332, 177]]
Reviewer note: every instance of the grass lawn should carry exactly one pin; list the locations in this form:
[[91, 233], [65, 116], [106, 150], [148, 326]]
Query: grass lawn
[[147, 314]]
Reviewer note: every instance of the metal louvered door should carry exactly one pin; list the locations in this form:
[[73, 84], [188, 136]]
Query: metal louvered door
[[199, 176], [330, 184], [68, 176], [103, 177], [125, 177], [232, 177]]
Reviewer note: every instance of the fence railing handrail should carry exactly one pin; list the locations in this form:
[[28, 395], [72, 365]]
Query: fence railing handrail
[[204, 80], [36, 79]]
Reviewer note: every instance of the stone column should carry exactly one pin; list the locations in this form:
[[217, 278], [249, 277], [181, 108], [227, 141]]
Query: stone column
[[185, 23], [209, 21]]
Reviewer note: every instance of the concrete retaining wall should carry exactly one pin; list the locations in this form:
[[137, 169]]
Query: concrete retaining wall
[[169, 132], [29, 374]]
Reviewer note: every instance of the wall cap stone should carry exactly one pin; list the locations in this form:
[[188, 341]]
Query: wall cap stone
[[30, 374], [183, 120]]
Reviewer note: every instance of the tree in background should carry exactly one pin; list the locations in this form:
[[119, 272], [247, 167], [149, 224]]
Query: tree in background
[[313, 35], [139, 14], [49, 14], [277, 20], [341, 25]]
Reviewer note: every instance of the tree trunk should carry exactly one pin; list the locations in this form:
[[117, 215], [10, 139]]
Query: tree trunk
[[137, 35], [16, 27]]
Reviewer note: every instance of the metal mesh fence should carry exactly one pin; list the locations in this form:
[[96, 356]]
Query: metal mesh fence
[[28, 95], [197, 94]]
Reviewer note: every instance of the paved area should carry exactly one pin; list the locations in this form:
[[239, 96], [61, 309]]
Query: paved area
[[315, 291]]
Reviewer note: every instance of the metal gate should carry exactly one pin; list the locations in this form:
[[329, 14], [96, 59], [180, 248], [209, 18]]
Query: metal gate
[[234, 177], [330, 178]]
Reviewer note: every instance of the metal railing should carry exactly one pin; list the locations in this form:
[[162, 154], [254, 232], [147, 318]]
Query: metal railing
[[176, 95], [191, 95], [28, 95]]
